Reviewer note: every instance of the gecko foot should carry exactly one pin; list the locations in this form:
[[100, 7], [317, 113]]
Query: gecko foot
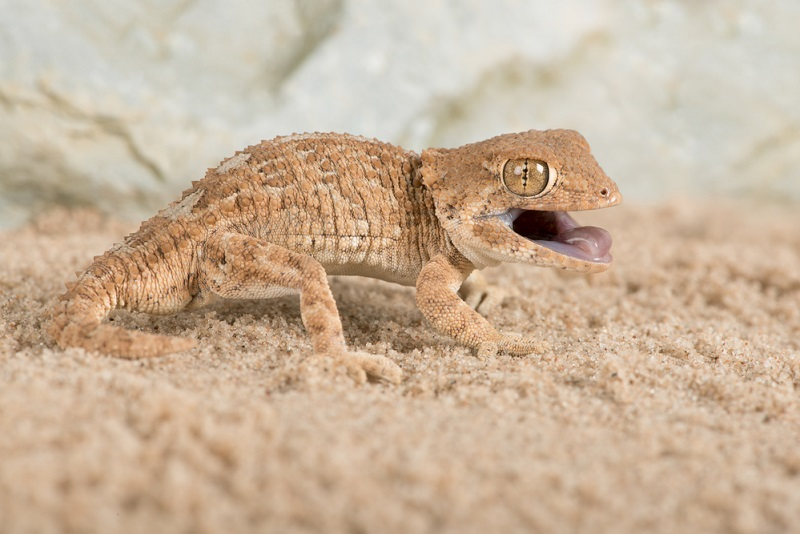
[[513, 344], [480, 295], [361, 366]]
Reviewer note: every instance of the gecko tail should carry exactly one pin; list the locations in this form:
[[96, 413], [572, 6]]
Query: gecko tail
[[76, 321], [120, 342], [117, 341]]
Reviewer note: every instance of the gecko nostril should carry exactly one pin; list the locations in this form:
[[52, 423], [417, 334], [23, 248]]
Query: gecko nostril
[[604, 192]]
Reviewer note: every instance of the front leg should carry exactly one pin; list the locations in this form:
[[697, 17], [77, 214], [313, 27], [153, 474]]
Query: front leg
[[240, 266], [437, 299]]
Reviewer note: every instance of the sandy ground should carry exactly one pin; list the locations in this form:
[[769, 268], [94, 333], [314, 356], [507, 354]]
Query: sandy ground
[[670, 399]]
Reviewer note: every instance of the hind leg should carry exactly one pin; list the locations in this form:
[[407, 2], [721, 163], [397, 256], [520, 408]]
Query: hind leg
[[240, 266]]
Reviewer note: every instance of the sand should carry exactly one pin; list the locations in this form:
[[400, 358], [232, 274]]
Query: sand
[[670, 400]]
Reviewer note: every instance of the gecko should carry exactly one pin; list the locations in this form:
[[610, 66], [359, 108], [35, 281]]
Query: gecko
[[280, 216]]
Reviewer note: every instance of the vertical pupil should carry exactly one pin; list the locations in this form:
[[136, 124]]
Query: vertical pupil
[[525, 174]]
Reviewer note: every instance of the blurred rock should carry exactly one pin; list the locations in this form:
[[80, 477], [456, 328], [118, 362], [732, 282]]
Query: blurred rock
[[119, 105]]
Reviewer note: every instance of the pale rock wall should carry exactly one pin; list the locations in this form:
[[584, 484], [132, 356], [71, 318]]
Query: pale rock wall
[[120, 104]]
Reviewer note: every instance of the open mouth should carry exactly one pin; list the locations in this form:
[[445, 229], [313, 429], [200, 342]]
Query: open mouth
[[559, 232]]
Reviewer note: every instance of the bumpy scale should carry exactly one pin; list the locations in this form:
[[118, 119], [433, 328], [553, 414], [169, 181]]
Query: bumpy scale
[[278, 217]]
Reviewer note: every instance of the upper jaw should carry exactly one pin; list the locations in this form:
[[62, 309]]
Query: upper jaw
[[559, 233]]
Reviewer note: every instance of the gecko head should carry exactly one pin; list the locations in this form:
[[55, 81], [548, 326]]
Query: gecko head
[[506, 199]]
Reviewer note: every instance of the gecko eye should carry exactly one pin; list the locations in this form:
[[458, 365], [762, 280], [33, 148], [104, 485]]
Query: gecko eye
[[527, 177]]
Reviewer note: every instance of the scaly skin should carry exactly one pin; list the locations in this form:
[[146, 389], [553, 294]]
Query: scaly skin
[[280, 216]]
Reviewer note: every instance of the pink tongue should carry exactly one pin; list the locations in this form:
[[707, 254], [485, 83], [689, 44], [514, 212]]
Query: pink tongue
[[594, 241]]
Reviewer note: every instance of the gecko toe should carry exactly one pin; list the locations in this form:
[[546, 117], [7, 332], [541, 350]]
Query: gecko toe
[[520, 345], [515, 344], [361, 366]]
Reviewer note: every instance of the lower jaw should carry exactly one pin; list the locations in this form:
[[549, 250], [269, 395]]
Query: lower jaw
[[560, 233]]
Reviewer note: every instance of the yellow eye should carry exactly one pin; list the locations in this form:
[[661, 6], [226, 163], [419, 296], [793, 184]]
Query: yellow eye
[[526, 177]]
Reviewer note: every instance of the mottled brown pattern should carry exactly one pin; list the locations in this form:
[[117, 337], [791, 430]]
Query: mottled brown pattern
[[280, 216]]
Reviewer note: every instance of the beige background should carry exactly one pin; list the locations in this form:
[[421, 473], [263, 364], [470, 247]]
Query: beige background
[[670, 401]]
